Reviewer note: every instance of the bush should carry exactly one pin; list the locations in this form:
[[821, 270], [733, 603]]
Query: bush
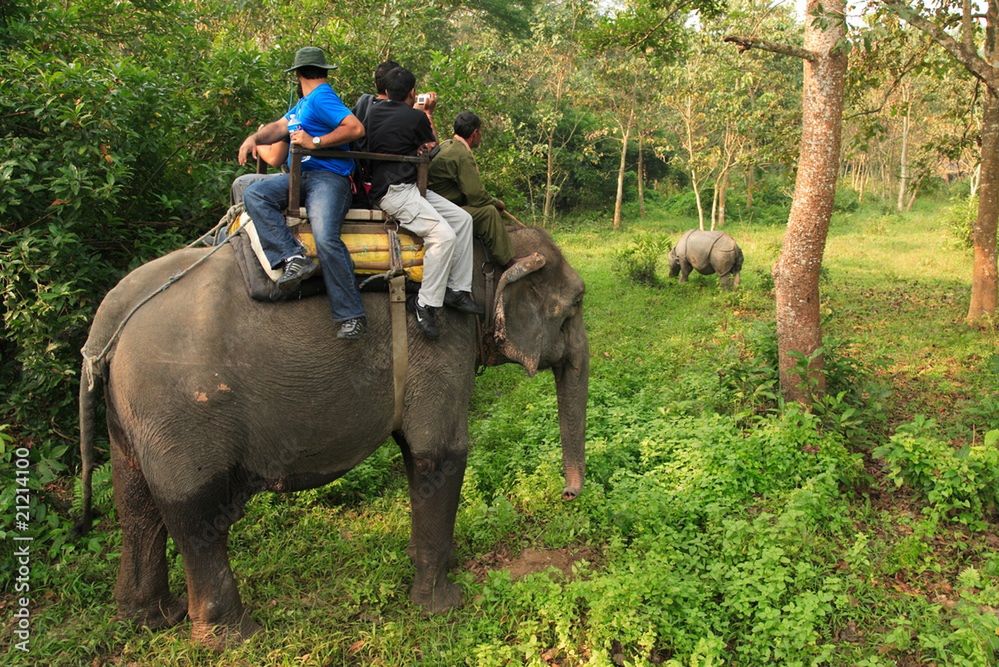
[[684, 204], [959, 219], [771, 202], [846, 200], [960, 484], [638, 261]]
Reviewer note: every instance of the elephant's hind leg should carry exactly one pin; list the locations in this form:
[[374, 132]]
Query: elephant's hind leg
[[200, 527], [141, 592]]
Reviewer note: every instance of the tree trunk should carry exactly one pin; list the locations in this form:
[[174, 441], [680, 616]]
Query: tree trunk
[[903, 167], [697, 198], [641, 175], [546, 211], [863, 181], [796, 274], [722, 191], [714, 206], [688, 121], [750, 185], [984, 284], [625, 135]]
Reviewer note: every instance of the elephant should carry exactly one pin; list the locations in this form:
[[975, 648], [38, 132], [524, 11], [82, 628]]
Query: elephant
[[708, 252], [212, 397]]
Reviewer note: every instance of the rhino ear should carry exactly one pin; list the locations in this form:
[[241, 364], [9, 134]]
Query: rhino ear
[[522, 341]]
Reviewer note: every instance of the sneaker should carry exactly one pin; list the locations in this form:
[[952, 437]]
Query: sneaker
[[426, 318], [353, 328], [462, 301], [296, 270]]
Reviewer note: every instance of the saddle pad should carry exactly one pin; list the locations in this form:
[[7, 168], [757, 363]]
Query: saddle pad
[[367, 242]]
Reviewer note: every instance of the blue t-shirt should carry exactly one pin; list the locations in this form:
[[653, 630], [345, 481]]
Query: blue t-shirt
[[320, 112]]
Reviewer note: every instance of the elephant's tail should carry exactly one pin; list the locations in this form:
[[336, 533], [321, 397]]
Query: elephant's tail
[[91, 382]]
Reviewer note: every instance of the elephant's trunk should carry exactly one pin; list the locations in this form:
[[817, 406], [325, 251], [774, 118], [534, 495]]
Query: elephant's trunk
[[572, 386]]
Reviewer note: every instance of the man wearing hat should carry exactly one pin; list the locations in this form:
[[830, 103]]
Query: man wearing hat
[[319, 120]]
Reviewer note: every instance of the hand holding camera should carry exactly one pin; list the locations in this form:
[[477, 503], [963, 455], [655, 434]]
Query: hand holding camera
[[426, 102]]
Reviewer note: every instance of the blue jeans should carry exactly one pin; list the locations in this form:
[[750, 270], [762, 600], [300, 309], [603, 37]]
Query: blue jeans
[[327, 198]]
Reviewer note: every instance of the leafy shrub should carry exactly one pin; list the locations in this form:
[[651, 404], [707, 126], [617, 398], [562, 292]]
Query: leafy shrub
[[959, 220], [961, 484], [853, 405], [638, 261], [684, 204], [846, 200], [748, 370], [771, 202]]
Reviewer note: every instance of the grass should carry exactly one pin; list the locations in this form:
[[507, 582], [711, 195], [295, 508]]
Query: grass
[[716, 527]]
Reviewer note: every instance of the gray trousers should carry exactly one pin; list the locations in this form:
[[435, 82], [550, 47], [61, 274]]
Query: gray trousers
[[446, 230], [242, 182]]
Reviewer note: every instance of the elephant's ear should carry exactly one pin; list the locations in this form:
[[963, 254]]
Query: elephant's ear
[[518, 343]]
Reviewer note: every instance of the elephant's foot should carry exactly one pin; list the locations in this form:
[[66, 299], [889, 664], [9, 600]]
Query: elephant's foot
[[439, 597], [452, 559], [220, 636], [159, 615]]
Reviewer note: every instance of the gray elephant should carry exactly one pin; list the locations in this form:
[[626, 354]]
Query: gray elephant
[[707, 252], [212, 397]]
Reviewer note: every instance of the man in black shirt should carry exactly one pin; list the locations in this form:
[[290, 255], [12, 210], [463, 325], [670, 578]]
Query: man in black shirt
[[393, 126]]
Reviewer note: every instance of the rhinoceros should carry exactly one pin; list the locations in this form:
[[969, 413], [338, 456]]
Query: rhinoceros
[[708, 252]]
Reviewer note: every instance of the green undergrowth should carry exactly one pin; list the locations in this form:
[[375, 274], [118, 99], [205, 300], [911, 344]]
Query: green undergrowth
[[717, 525]]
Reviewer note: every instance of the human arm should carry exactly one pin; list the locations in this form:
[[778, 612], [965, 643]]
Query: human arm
[[427, 107], [470, 184], [274, 154], [349, 129], [268, 134]]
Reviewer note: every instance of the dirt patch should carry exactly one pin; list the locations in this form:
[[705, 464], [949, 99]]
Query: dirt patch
[[529, 561]]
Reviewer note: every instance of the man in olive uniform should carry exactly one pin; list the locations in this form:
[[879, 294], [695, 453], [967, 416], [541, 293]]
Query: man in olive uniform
[[455, 176]]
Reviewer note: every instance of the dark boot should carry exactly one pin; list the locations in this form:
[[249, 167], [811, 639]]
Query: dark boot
[[462, 301], [426, 318]]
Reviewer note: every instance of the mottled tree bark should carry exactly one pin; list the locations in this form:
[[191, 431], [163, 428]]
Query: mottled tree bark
[[641, 174], [984, 284], [796, 273]]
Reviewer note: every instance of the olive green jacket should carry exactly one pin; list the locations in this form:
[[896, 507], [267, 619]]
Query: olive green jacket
[[455, 176]]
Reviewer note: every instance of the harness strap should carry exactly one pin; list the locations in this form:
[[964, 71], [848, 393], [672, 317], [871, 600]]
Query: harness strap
[[489, 273], [400, 346], [92, 362], [400, 335]]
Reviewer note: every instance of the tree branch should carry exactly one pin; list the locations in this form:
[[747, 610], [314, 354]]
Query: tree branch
[[746, 43], [914, 61], [961, 52]]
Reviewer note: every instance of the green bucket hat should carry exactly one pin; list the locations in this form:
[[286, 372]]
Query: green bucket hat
[[310, 56]]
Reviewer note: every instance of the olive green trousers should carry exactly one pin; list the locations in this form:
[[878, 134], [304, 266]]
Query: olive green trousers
[[487, 225]]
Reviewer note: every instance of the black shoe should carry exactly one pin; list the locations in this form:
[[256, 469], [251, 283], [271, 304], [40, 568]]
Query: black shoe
[[353, 328], [462, 301], [426, 318], [296, 270]]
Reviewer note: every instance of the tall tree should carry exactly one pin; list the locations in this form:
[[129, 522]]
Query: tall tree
[[796, 273], [985, 67]]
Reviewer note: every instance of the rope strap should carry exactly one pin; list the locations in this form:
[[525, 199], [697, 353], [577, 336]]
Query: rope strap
[[91, 362]]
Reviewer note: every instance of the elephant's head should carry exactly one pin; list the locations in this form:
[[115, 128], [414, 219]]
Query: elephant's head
[[674, 263], [538, 316]]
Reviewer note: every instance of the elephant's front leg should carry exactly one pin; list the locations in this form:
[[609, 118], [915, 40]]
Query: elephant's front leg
[[434, 490]]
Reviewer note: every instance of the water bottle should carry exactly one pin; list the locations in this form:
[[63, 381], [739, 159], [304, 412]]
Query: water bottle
[[293, 123]]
